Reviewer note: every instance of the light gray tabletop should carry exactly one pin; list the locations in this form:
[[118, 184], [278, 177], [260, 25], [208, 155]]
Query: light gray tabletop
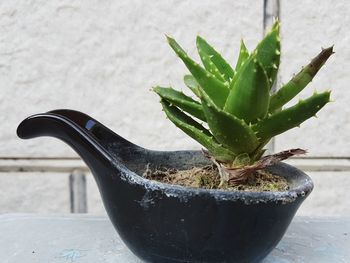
[[88, 239]]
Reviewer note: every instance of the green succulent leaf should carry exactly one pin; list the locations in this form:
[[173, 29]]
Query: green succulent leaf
[[208, 63], [243, 56], [182, 101], [213, 61], [197, 132], [249, 96], [232, 132], [291, 117], [268, 53], [217, 90], [192, 84], [299, 81]]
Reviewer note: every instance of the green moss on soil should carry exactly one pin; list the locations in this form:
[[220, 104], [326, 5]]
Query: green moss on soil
[[207, 177]]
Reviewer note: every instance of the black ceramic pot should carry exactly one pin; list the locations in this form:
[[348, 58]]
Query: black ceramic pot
[[172, 224]]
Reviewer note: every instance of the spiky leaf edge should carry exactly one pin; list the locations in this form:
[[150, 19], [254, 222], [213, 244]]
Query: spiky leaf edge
[[197, 132], [213, 61], [182, 101], [291, 117], [232, 132]]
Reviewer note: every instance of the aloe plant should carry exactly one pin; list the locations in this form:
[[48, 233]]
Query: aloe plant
[[236, 113]]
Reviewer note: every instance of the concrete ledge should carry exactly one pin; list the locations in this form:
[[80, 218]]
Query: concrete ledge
[[70, 164], [83, 238]]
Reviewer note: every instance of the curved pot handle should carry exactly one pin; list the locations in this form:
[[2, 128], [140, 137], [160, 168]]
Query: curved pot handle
[[84, 134], [96, 129]]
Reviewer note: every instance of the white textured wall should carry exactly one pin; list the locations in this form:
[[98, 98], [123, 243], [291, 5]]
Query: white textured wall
[[102, 57], [307, 26]]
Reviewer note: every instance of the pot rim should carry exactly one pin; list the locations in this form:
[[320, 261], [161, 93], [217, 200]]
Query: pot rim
[[303, 184], [302, 187]]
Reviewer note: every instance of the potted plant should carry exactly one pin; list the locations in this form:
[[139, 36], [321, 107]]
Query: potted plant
[[221, 219]]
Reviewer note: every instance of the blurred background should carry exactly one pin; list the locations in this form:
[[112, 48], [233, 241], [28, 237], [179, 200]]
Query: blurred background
[[102, 58]]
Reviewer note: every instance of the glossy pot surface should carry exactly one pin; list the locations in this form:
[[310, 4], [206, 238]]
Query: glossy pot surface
[[167, 223]]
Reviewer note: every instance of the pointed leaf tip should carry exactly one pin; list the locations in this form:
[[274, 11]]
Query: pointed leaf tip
[[276, 24], [213, 61], [268, 51], [242, 57], [249, 96], [217, 90], [299, 81], [317, 62]]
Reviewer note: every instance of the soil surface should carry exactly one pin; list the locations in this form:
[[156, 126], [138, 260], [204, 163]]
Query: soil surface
[[208, 177]]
